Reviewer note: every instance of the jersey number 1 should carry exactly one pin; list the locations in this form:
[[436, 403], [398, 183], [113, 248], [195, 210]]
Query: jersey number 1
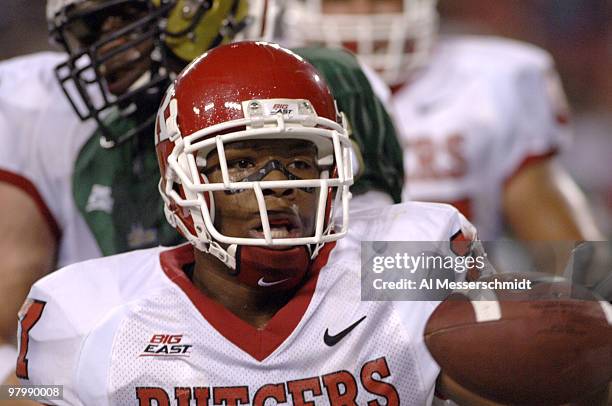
[[29, 315]]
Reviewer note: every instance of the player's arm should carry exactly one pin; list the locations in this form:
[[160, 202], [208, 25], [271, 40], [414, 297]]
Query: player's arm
[[463, 235], [28, 252], [542, 202]]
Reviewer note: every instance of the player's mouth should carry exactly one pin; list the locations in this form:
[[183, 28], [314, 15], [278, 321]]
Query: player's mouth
[[124, 70], [282, 225]]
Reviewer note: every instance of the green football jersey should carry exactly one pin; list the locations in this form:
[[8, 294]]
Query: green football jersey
[[131, 172]]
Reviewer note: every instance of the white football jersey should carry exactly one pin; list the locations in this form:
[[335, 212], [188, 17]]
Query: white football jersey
[[132, 328], [482, 109], [41, 136]]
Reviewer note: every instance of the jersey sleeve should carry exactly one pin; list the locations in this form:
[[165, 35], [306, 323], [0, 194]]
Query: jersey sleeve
[[372, 128], [538, 111], [49, 343], [418, 221], [63, 310], [449, 227], [27, 89]]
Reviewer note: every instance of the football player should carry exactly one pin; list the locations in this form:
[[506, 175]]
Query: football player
[[77, 177], [481, 118], [264, 303]]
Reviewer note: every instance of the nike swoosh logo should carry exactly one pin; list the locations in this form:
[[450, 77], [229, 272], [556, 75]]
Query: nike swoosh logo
[[263, 283], [330, 340]]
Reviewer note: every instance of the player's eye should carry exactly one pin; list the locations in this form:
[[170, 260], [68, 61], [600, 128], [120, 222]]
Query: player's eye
[[300, 165], [243, 163]]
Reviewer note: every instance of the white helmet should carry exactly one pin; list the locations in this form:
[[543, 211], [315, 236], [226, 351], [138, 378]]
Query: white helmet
[[393, 44], [54, 7]]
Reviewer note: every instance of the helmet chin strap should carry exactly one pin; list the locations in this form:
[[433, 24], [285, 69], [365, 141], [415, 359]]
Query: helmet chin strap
[[262, 267], [265, 268]]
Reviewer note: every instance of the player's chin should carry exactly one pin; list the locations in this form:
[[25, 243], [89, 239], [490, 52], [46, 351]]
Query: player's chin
[[121, 82]]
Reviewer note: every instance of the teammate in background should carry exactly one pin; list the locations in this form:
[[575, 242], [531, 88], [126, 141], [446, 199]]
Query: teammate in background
[[78, 186], [481, 118]]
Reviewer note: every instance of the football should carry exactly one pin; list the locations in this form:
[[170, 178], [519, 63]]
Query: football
[[546, 345]]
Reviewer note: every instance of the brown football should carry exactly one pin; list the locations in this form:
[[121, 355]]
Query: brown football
[[544, 346]]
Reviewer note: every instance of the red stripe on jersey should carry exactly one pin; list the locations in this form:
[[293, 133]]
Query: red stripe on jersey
[[32, 311], [257, 343], [29, 188]]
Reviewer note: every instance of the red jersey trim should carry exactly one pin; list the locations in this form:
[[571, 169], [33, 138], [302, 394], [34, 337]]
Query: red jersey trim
[[29, 188], [530, 160], [257, 343]]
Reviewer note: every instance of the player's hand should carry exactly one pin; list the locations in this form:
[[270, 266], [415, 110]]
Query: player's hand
[[590, 265]]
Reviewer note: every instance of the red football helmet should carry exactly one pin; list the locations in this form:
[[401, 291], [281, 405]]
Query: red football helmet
[[248, 91]]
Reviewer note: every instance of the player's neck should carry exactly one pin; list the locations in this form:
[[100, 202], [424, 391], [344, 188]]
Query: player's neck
[[252, 305]]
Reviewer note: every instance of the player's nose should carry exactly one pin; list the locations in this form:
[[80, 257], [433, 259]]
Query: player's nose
[[277, 175]]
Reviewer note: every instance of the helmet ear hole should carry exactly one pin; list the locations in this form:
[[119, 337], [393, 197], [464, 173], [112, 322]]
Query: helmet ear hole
[[181, 211], [173, 206]]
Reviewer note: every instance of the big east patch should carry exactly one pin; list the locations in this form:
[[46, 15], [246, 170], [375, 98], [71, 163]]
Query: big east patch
[[281, 108], [166, 345]]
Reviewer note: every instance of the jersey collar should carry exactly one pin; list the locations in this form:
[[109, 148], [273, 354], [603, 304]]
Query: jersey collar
[[258, 343]]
